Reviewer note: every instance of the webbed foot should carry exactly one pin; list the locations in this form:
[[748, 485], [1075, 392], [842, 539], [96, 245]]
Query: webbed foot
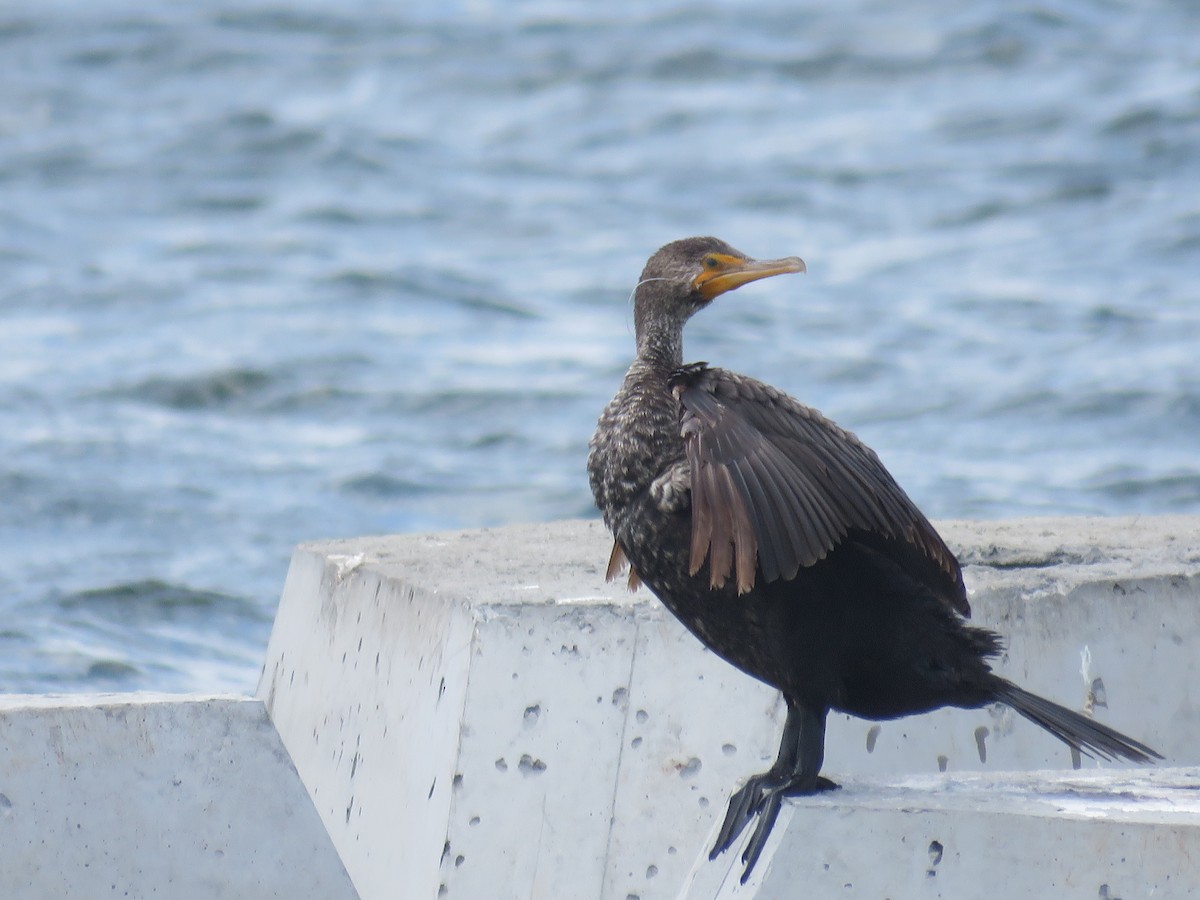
[[761, 796]]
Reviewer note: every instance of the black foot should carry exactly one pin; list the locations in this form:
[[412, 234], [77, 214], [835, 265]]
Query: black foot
[[761, 796]]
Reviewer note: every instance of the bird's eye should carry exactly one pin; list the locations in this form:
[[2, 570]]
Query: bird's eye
[[711, 262]]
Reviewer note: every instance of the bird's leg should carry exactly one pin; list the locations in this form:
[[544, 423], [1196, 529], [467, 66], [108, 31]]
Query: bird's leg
[[747, 800], [795, 772]]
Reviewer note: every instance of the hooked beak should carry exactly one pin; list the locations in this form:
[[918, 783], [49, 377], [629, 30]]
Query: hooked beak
[[732, 272]]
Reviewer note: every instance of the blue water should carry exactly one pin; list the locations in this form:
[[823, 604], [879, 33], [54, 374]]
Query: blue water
[[277, 272]]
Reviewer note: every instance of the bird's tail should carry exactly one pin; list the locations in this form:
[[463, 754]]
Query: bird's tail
[[1078, 731]]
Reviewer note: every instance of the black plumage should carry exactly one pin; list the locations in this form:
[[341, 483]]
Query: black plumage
[[782, 542]]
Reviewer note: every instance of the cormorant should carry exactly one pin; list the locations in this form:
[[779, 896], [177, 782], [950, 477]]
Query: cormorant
[[781, 542]]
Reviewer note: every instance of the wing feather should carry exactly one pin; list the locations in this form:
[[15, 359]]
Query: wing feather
[[776, 487], [757, 506], [702, 506], [721, 548]]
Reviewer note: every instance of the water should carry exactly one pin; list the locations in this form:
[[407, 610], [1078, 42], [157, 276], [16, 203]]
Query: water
[[279, 272]]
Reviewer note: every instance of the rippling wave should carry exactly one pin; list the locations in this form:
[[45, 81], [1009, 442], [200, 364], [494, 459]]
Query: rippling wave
[[275, 272]]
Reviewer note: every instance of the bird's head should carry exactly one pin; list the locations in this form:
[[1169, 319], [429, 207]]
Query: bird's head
[[685, 276]]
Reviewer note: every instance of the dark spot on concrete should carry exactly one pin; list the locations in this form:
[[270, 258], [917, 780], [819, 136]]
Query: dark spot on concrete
[[530, 766], [935, 857], [872, 737], [981, 735]]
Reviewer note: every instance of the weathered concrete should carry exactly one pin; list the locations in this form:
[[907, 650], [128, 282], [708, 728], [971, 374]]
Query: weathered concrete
[[1095, 836], [143, 795], [434, 692]]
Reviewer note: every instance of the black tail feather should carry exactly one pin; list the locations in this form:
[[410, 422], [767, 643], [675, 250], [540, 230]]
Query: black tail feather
[[1074, 729]]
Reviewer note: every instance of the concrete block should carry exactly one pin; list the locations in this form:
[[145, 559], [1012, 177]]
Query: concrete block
[[464, 710], [479, 714], [1093, 836], [143, 795]]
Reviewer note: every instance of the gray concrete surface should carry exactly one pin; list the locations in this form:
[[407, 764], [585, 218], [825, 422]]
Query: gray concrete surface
[[479, 714], [144, 795], [1020, 835]]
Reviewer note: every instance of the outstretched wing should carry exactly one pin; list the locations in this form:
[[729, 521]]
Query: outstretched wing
[[777, 482]]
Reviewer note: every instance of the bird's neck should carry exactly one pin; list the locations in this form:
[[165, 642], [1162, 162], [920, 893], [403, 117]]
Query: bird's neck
[[660, 346]]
